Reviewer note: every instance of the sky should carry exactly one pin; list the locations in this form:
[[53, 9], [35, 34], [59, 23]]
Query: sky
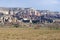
[[53, 5]]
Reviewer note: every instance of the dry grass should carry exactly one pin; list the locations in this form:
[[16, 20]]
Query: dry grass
[[28, 34]]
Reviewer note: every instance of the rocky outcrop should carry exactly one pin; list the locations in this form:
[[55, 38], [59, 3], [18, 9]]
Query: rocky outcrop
[[14, 14]]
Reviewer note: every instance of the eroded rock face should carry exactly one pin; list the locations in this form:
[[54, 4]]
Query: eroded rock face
[[14, 14]]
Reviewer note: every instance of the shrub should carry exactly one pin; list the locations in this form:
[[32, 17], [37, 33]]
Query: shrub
[[37, 26], [16, 25]]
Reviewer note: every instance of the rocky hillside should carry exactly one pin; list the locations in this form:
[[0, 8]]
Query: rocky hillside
[[28, 14]]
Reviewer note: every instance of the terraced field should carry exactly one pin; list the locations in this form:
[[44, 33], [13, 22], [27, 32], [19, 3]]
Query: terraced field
[[28, 34]]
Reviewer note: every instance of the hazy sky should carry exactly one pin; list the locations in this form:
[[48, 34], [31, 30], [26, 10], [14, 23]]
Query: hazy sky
[[53, 5]]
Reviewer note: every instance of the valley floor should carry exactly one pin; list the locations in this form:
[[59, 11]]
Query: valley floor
[[28, 34]]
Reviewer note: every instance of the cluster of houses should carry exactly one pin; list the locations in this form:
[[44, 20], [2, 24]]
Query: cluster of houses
[[27, 15]]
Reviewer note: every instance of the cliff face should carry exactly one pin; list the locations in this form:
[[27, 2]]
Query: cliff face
[[18, 13], [28, 13]]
